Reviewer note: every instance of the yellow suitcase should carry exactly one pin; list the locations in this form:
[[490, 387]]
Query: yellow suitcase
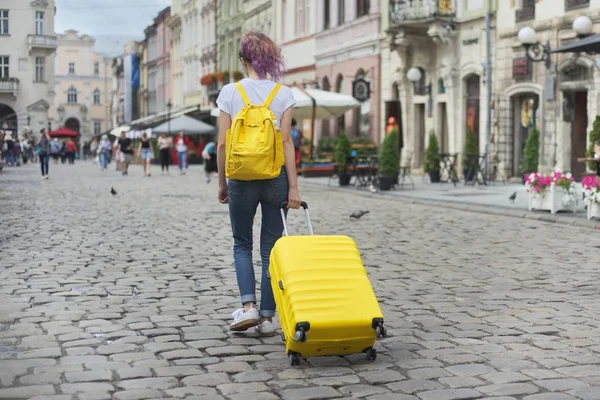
[[325, 300]]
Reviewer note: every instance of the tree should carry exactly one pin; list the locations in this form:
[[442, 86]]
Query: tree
[[343, 148], [594, 138], [389, 159], [531, 152], [432, 155]]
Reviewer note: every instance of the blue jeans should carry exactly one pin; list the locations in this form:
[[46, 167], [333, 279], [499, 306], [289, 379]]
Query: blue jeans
[[10, 157], [182, 159], [104, 159], [44, 161], [244, 198]]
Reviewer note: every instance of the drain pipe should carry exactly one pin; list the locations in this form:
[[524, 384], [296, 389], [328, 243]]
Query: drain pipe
[[488, 70]]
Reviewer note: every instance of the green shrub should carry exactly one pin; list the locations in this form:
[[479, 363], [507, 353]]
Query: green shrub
[[343, 148], [594, 137], [531, 152], [325, 145], [432, 155], [470, 149], [389, 159]]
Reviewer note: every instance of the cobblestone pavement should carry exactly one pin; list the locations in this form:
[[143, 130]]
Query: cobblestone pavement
[[129, 297]]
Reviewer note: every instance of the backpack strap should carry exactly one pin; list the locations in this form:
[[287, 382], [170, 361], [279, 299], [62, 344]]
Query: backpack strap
[[272, 95], [243, 93]]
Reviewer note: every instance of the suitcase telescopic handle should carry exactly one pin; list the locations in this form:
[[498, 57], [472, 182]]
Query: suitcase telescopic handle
[[283, 207]]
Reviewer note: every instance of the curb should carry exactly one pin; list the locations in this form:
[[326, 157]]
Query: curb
[[476, 208]]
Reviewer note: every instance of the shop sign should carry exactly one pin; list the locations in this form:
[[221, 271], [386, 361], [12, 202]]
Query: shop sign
[[521, 67], [361, 90]]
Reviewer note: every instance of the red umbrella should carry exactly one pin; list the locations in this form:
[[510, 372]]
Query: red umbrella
[[64, 132]]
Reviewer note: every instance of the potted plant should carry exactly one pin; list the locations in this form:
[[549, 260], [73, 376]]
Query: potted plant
[[325, 147], [531, 154], [225, 77], [591, 188], [389, 160], [432, 158], [237, 75], [594, 138], [470, 156], [553, 192], [343, 148]]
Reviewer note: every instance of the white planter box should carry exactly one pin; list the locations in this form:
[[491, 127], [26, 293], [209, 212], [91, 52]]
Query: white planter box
[[593, 210], [551, 200]]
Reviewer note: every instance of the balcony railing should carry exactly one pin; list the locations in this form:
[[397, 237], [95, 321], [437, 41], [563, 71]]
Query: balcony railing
[[42, 42], [10, 86], [402, 11], [570, 4]]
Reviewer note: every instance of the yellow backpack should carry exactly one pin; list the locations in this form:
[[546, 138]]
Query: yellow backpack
[[254, 145]]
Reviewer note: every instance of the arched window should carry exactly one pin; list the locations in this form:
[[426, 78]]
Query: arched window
[[72, 95], [96, 96]]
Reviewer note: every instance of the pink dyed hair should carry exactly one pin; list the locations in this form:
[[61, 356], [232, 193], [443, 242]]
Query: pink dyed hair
[[263, 54]]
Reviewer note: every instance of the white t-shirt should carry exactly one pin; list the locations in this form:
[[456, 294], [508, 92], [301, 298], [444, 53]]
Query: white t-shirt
[[181, 147], [230, 100]]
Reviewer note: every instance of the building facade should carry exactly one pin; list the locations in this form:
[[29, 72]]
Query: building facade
[[208, 44], [348, 48], [191, 51], [559, 98], [297, 39], [230, 19], [258, 17], [158, 39], [27, 50], [445, 40], [176, 58], [126, 94], [82, 85]]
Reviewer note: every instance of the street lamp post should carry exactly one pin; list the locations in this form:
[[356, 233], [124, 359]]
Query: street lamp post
[[414, 75], [169, 106], [538, 52]]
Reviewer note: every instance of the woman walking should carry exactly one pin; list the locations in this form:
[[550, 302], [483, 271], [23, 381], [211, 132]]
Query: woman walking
[[165, 142], [44, 153], [260, 58], [146, 153], [182, 147]]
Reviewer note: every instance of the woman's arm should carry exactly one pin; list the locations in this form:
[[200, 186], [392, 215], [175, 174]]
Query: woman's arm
[[289, 153], [224, 125]]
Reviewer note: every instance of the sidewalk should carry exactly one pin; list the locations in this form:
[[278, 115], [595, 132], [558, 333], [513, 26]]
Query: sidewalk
[[490, 199]]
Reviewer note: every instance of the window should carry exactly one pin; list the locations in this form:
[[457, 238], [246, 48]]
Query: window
[[39, 23], [4, 67], [40, 66], [526, 11], [71, 68], [96, 96], [362, 8], [96, 68], [97, 127], [326, 18], [341, 11], [299, 16], [3, 22], [71, 95]]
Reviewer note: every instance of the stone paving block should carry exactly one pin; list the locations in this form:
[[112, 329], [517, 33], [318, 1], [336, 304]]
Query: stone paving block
[[178, 371], [414, 385], [362, 390], [470, 369], [549, 396], [88, 376], [74, 388], [456, 382], [427, 373], [209, 379], [505, 377], [321, 392], [25, 392], [255, 396], [561, 385], [252, 376], [148, 383], [130, 373], [179, 354], [182, 392], [230, 367], [248, 388], [449, 394], [137, 394], [40, 379], [508, 389]]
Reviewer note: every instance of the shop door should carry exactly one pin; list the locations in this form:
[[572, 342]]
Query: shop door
[[579, 134]]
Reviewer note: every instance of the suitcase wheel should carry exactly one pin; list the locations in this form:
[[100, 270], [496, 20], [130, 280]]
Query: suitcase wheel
[[381, 331], [371, 354], [300, 336], [294, 359]]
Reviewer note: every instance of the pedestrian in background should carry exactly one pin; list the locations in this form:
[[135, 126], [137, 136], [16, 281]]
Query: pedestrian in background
[[182, 147], [44, 153], [261, 58], [165, 143], [70, 148], [55, 150], [104, 152], [297, 138], [146, 153], [126, 148], [210, 159]]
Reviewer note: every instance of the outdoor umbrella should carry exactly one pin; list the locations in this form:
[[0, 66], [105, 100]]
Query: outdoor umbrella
[[590, 44], [325, 104], [64, 132], [185, 124]]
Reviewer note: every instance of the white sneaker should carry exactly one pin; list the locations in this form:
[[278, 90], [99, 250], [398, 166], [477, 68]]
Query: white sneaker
[[265, 329], [244, 320]]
